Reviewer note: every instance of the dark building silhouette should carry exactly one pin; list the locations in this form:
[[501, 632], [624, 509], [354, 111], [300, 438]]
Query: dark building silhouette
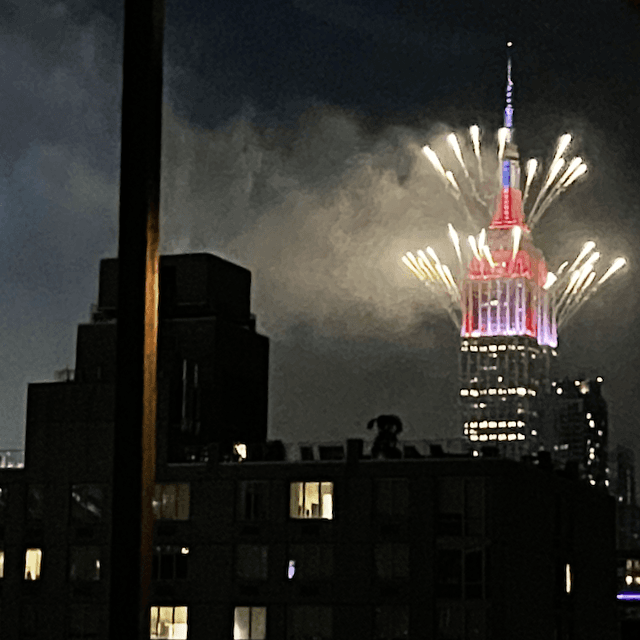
[[580, 428], [255, 540]]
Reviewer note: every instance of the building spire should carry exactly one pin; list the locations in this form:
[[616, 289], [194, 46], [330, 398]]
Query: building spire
[[508, 110]]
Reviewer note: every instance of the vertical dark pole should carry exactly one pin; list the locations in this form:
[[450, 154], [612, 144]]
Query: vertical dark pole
[[136, 391]]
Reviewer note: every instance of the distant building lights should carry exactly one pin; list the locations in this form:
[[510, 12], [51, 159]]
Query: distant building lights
[[493, 436], [577, 383], [502, 423], [522, 391], [493, 424], [502, 347], [512, 436], [474, 348], [521, 436], [588, 416], [534, 432], [599, 379], [599, 433], [473, 437], [492, 392], [474, 393], [184, 551], [483, 348], [592, 481], [592, 424], [568, 578], [559, 391], [476, 453], [502, 436], [629, 580], [464, 392], [512, 423], [493, 347], [291, 569], [483, 437]]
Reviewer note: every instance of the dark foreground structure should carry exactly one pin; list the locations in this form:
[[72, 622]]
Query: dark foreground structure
[[255, 540]]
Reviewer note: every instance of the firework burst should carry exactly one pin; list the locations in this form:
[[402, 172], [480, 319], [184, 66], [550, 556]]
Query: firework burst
[[474, 190]]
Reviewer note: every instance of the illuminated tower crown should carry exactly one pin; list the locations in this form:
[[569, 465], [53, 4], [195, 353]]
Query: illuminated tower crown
[[508, 319]]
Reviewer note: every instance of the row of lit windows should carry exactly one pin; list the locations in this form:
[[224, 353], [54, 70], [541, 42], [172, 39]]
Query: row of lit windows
[[497, 436], [492, 424], [491, 347], [521, 391]]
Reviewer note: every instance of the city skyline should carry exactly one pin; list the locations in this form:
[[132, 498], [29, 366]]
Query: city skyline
[[316, 186]]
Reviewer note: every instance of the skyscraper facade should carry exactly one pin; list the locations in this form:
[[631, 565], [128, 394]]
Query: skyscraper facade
[[508, 332]]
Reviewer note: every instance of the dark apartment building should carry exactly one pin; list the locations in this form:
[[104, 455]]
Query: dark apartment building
[[255, 540]]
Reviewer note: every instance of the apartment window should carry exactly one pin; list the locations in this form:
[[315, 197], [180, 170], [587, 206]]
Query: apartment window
[[1, 564], [171, 502], [449, 573], [252, 561], [35, 502], [250, 623], [311, 500], [170, 563], [460, 506], [392, 560], [392, 497], [310, 562], [391, 623], [85, 621], [87, 503], [32, 564], [253, 500], [458, 569], [309, 622], [84, 564], [169, 622]]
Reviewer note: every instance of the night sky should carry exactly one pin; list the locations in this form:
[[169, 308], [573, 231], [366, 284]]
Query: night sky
[[291, 145]]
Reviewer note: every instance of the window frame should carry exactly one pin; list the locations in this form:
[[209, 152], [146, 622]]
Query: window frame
[[251, 636], [153, 635], [298, 496], [159, 503]]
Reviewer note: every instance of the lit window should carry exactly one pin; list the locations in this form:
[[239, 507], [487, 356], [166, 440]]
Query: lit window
[[252, 561], [534, 432], [32, 564], [250, 623], [588, 416], [568, 578], [170, 563], [628, 580], [559, 391], [169, 622], [240, 450], [1, 564], [84, 563], [311, 500], [171, 502]]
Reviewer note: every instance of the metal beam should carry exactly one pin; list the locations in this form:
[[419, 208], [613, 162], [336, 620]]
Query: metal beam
[[134, 448]]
